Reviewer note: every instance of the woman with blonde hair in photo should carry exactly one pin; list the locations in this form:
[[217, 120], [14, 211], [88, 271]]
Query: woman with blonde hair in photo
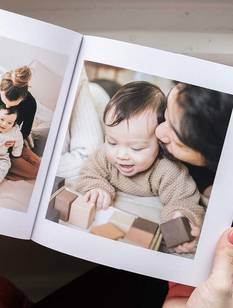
[[14, 93]]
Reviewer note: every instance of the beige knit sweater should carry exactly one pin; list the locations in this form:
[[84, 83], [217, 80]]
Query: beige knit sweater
[[166, 179]]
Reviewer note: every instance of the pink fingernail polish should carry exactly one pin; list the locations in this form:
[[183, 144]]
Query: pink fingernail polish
[[230, 237]]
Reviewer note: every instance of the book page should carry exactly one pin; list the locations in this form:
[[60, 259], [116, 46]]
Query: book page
[[50, 52], [121, 225]]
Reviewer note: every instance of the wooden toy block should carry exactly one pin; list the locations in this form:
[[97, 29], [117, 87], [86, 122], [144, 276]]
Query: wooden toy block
[[141, 232], [122, 220], [155, 239], [58, 183], [158, 243], [108, 230], [82, 214], [52, 214], [176, 232], [63, 202]]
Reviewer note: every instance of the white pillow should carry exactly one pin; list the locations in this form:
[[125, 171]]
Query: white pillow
[[100, 99], [43, 117]]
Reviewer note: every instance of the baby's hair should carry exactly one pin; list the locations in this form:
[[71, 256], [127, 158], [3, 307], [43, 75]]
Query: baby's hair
[[11, 110], [134, 98], [15, 83]]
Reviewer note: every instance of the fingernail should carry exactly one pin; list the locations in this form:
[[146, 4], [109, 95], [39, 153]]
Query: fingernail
[[230, 237]]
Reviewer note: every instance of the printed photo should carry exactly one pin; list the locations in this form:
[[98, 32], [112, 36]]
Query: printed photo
[[30, 81], [139, 159]]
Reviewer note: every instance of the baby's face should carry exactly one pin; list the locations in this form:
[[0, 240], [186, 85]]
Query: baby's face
[[7, 121], [132, 146]]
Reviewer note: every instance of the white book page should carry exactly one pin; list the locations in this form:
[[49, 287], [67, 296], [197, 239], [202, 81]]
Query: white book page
[[51, 53], [75, 241]]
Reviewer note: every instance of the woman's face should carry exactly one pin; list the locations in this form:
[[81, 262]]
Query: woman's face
[[9, 103], [166, 133]]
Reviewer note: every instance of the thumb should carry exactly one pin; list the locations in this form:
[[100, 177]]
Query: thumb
[[216, 291], [221, 277]]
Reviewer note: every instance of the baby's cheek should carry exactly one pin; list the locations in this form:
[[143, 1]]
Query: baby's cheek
[[109, 154], [142, 159]]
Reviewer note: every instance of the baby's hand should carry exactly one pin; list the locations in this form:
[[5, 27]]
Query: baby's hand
[[188, 247], [101, 198], [9, 143]]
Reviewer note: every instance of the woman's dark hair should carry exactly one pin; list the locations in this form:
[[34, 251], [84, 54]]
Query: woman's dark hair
[[15, 83], [134, 98], [206, 115]]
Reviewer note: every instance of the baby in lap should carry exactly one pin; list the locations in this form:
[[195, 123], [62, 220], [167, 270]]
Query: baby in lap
[[9, 133], [130, 159]]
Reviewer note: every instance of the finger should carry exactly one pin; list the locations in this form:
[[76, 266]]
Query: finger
[[106, 201], [99, 201], [93, 196], [177, 214], [178, 249], [187, 247], [221, 278], [190, 247], [195, 231], [181, 249], [86, 197]]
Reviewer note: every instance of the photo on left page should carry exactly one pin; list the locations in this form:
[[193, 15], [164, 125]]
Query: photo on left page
[[137, 164], [30, 81]]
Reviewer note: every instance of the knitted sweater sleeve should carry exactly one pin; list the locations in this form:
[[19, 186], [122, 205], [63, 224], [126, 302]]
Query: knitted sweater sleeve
[[18, 146], [95, 173], [178, 192]]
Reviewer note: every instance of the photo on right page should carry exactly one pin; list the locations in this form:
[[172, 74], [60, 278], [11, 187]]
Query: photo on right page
[[139, 159]]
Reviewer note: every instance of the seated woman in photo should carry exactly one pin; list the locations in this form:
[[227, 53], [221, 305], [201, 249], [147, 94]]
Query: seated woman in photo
[[14, 93]]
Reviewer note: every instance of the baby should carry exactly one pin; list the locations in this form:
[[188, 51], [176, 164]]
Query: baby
[[9, 132], [130, 159]]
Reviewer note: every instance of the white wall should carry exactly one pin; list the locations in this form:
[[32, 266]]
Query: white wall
[[14, 54], [197, 27]]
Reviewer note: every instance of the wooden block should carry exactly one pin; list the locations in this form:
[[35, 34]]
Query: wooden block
[[108, 230], [176, 231], [155, 239], [141, 232], [58, 183], [82, 214], [157, 245], [122, 220], [63, 202], [52, 214]]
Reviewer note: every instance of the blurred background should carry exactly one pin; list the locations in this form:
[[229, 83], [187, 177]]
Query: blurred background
[[100, 73], [201, 28]]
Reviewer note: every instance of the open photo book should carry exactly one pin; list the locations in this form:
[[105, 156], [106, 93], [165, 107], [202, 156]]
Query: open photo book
[[105, 189]]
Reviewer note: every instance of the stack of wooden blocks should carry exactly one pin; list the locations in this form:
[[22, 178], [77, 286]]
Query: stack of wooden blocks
[[69, 206]]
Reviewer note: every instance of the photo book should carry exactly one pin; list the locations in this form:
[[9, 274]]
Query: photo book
[[92, 175]]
